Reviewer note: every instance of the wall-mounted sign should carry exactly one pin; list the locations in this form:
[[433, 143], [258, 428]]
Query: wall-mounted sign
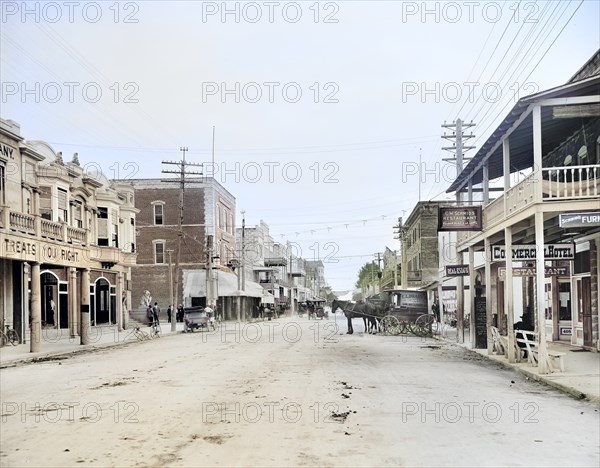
[[460, 218], [528, 252], [567, 331], [7, 152], [457, 270], [530, 271], [576, 220]]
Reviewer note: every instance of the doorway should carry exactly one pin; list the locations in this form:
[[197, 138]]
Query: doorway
[[584, 303]]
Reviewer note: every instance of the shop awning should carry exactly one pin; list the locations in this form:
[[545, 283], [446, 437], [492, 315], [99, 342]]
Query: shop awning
[[226, 284]]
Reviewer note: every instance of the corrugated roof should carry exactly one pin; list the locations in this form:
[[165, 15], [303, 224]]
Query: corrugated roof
[[521, 141]]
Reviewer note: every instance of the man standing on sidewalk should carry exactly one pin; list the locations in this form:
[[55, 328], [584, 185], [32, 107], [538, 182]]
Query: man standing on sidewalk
[[156, 312], [169, 312]]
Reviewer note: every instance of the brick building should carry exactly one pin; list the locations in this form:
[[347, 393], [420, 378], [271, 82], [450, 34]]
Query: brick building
[[209, 210]]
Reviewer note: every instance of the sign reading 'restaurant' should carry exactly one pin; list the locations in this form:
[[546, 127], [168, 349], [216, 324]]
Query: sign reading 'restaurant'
[[528, 252], [569, 220], [460, 218]]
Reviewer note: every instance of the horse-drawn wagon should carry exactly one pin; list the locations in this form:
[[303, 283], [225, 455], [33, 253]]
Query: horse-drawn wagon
[[408, 312], [392, 311]]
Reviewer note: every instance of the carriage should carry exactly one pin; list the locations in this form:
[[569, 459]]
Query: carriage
[[407, 313], [316, 308]]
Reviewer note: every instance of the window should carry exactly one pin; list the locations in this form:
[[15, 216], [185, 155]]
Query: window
[[77, 213], [2, 183], [158, 213], [159, 251], [63, 212], [102, 226], [46, 203]]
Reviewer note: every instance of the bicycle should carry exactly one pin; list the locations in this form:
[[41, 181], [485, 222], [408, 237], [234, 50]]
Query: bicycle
[[138, 334], [11, 336], [155, 330]]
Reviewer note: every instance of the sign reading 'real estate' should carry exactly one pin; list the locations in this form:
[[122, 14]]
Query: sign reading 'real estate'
[[528, 252], [457, 270], [576, 220], [460, 218]]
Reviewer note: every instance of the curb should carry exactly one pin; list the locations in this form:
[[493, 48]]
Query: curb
[[570, 391], [62, 355]]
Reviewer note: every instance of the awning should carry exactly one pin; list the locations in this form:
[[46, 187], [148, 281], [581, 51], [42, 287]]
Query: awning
[[226, 284]]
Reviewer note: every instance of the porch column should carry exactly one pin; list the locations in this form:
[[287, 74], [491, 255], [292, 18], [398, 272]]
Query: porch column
[[26, 310], [540, 292], [472, 278], [506, 170], [73, 322], [85, 306], [460, 301], [488, 294], [508, 294], [537, 151], [119, 301], [486, 184], [35, 341]]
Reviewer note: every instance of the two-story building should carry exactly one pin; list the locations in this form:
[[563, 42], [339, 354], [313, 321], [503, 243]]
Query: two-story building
[[546, 223], [67, 241]]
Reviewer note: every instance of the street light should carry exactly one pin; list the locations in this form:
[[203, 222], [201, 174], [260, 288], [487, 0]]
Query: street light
[[173, 315]]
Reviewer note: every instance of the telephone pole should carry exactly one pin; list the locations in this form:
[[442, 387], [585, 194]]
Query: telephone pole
[[400, 237], [459, 148], [182, 172]]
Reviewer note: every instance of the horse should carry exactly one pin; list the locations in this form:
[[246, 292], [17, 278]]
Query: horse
[[364, 310]]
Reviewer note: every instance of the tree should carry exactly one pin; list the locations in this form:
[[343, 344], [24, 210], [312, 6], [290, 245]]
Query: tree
[[367, 275]]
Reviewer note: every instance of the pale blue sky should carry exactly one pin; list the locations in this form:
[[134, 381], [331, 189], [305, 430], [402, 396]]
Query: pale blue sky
[[366, 143]]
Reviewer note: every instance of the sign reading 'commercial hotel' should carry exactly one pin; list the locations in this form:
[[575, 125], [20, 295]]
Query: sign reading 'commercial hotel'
[[461, 218], [528, 252]]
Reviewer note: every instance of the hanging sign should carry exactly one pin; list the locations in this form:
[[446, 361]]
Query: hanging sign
[[457, 270], [460, 218], [530, 271], [528, 252], [576, 220]]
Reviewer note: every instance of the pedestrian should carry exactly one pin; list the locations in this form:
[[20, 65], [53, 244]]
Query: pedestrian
[[156, 312], [150, 315], [169, 311], [179, 316]]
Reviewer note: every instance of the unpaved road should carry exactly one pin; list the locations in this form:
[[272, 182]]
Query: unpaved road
[[288, 394]]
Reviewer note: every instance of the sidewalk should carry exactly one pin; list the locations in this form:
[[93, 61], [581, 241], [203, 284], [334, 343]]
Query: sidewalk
[[57, 343], [581, 378]]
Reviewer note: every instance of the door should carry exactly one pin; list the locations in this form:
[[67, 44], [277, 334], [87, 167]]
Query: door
[[585, 291]]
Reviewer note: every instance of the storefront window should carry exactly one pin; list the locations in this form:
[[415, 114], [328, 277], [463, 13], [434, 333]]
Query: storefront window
[[564, 301], [548, 298]]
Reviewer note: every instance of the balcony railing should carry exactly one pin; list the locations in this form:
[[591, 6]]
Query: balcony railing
[[567, 183], [76, 235], [21, 222], [557, 183], [36, 226], [51, 230]]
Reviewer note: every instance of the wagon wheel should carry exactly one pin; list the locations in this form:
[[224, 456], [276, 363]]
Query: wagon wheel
[[423, 325], [390, 325]]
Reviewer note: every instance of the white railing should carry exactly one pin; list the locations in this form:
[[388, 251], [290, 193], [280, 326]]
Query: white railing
[[493, 212], [76, 235], [521, 195], [51, 230], [22, 222], [567, 183]]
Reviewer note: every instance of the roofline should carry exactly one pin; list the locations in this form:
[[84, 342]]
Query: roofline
[[524, 104]]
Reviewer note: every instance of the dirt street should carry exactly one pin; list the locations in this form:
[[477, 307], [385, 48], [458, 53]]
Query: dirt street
[[288, 393]]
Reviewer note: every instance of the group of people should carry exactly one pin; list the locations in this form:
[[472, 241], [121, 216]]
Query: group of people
[[153, 314]]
